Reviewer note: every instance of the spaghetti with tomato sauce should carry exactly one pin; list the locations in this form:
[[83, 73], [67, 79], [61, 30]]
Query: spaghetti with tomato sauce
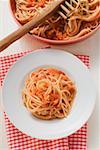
[[84, 18], [48, 93]]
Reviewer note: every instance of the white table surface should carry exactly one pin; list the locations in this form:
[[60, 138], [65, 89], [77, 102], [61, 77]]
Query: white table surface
[[90, 46]]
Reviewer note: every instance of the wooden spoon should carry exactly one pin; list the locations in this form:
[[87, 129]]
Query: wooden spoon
[[36, 20]]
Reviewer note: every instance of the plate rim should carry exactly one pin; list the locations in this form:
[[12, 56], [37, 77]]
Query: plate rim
[[64, 133]]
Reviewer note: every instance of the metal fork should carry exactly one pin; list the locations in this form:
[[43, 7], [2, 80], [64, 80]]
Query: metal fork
[[67, 8]]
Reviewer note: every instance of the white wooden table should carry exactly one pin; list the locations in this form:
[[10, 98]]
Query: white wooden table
[[90, 47]]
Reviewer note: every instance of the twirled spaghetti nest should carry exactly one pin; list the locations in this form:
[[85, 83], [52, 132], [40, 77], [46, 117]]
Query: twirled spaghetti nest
[[48, 93]]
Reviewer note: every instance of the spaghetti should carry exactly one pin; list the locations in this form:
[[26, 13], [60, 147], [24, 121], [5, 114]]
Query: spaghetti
[[48, 93], [80, 21]]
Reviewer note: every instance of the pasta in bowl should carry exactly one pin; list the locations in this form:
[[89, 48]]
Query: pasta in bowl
[[48, 93], [81, 21]]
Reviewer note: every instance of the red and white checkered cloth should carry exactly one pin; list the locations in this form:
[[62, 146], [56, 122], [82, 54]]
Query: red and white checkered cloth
[[20, 141]]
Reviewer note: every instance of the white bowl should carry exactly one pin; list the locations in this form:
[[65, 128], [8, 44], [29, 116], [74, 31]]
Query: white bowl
[[83, 103]]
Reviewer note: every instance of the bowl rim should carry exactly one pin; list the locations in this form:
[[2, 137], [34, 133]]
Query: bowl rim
[[55, 41]]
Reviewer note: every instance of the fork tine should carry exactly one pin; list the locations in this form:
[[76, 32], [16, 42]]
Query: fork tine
[[65, 9], [74, 1], [62, 15], [70, 6]]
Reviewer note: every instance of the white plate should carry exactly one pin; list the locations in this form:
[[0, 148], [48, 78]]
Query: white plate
[[53, 129]]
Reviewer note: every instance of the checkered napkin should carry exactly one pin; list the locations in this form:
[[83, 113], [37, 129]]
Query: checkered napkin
[[20, 141]]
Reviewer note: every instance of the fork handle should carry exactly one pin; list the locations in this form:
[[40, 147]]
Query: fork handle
[[48, 11], [16, 35]]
